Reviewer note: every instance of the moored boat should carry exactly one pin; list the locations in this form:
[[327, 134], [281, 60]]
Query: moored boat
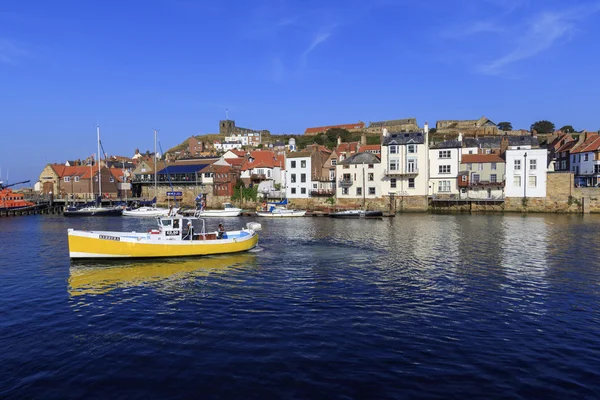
[[10, 200], [93, 211], [176, 236], [281, 212], [149, 212], [356, 214], [228, 211]]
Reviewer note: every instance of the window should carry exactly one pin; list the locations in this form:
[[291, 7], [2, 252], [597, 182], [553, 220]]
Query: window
[[480, 167], [371, 166], [494, 166], [476, 178], [578, 157], [293, 180], [303, 164], [573, 158], [371, 177], [303, 190], [585, 157], [67, 179], [314, 185], [394, 165], [444, 154], [76, 179], [411, 149], [444, 186], [411, 165], [302, 178], [293, 190], [393, 149], [563, 164], [463, 178], [411, 183], [293, 164], [111, 179], [371, 191], [488, 151], [345, 190], [333, 162], [469, 167], [493, 178], [532, 181], [444, 169], [533, 164], [517, 165], [393, 182], [596, 169], [332, 174], [359, 191], [517, 181]]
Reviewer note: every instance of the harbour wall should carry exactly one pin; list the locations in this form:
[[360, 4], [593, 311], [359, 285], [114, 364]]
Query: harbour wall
[[561, 197]]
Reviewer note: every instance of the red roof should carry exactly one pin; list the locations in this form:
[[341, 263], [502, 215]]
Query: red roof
[[239, 153], [481, 158], [83, 172], [261, 159], [567, 146], [591, 144], [351, 147], [319, 129], [236, 162]]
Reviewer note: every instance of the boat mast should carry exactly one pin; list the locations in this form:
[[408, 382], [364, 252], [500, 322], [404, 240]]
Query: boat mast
[[99, 158], [155, 181]]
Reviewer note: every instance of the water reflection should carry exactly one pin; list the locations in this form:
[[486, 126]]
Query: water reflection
[[93, 277]]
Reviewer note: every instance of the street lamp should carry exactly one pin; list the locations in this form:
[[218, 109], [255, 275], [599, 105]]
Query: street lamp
[[525, 176]]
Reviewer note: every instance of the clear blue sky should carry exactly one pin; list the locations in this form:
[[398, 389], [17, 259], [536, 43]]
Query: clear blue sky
[[176, 65]]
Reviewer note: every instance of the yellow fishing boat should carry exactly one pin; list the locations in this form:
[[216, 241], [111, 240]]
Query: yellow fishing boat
[[89, 277], [176, 236]]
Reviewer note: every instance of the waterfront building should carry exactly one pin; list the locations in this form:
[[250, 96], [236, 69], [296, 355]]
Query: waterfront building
[[526, 169], [263, 165], [79, 182], [404, 160], [481, 176], [444, 166], [298, 167], [585, 159], [359, 177]]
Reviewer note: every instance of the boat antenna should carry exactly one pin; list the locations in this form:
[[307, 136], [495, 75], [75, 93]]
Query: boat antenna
[[99, 158], [155, 181]]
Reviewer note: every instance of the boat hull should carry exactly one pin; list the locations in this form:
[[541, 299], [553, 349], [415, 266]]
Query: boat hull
[[220, 213], [90, 244], [100, 212], [147, 212], [281, 214], [358, 214]]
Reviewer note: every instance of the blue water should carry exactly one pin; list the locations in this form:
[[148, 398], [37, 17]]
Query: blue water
[[418, 306]]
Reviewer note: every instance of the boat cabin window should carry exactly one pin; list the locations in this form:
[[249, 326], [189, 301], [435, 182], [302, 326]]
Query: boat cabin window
[[166, 222], [175, 224]]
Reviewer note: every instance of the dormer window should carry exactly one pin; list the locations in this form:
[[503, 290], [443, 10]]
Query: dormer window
[[76, 179], [67, 179]]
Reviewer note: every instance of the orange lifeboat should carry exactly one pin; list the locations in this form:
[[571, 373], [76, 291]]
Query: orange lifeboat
[[10, 200]]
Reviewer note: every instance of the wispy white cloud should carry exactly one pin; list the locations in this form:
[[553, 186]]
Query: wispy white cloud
[[540, 34], [11, 51], [319, 38], [478, 27]]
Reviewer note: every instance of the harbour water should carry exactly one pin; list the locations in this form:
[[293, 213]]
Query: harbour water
[[417, 306]]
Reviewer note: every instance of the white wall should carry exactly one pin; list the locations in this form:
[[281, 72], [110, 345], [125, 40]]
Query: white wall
[[434, 166], [298, 170], [356, 175], [513, 190], [421, 180]]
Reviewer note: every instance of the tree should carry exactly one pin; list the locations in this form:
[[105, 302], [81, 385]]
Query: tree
[[333, 133], [542, 126], [567, 129], [505, 126]]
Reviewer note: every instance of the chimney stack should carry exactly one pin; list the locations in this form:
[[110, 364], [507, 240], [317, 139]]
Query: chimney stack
[[339, 140]]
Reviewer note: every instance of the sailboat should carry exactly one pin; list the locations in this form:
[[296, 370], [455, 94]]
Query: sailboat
[[95, 210], [151, 211]]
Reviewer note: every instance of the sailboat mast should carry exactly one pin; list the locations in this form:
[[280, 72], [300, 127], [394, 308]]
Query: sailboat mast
[[155, 181], [99, 158]]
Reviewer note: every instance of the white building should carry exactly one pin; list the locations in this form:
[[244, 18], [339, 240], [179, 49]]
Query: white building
[[444, 166], [525, 172], [359, 177], [227, 145], [298, 170], [585, 160], [405, 165], [246, 138]]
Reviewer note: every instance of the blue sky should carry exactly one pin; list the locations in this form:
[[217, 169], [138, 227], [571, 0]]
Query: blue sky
[[282, 65]]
